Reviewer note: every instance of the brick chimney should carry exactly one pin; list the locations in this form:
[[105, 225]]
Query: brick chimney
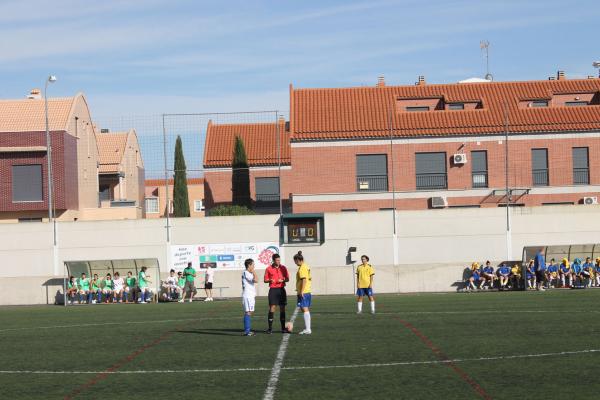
[[560, 75], [421, 81], [35, 94], [380, 81]]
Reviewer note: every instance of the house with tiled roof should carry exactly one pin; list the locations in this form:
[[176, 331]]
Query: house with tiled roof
[[445, 145], [267, 148], [158, 204], [77, 156], [475, 143], [121, 171]]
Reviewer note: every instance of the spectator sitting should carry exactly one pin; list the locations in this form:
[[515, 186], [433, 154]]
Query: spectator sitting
[[72, 289], [170, 285], [475, 277], [565, 273], [515, 277], [530, 275], [503, 275], [488, 274], [587, 272], [84, 288], [118, 285], [577, 270], [552, 274], [95, 289], [107, 288]]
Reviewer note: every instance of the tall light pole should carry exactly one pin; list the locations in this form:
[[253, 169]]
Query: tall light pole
[[51, 79]]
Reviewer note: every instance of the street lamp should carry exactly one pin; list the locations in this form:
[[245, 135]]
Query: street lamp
[[51, 79], [596, 64]]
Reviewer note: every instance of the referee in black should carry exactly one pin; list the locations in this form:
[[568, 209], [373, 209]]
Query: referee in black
[[276, 275]]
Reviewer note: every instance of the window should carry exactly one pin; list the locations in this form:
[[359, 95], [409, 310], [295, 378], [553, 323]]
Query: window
[[267, 190], [576, 103], [479, 169], [371, 173], [198, 206], [105, 193], [417, 108], [30, 219], [539, 167], [151, 205], [539, 103], [456, 106], [431, 171], [581, 167], [27, 183]]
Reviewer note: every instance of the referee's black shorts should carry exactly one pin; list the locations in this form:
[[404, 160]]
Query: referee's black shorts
[[277, 297], [540, 276]]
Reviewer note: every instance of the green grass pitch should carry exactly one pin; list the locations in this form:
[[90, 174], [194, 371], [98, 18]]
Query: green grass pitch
[[452, 346]]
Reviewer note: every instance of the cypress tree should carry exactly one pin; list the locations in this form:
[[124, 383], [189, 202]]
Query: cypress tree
[[181, 205], [240, 177]]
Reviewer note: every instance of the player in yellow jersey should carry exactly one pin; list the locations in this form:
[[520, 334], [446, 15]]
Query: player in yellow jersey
[[303, 287], [364, 283]]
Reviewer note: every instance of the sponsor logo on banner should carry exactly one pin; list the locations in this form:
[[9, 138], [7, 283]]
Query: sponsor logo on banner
[[223, 255]]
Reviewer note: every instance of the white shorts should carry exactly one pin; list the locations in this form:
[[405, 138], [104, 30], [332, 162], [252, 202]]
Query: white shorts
[[118, 288], [248, 303]]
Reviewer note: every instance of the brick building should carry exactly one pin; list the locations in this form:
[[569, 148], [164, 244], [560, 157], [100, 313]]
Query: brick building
[[156, 197], [265, 160], [76, 159], [440, 145]]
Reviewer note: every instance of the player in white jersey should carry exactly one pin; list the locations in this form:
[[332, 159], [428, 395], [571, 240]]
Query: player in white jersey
[[249, 278]]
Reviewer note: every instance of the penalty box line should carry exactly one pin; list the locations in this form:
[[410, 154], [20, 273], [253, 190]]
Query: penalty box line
[[307, 367]]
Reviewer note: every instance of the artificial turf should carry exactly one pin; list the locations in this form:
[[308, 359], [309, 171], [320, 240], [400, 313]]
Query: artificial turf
[[437, 345]]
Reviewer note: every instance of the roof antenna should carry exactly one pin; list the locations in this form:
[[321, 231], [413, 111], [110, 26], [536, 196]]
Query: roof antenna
[[484, 45]]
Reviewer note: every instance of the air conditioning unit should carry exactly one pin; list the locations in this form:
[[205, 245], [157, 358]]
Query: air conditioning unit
[[590, 200], [438, 202], [459, 159]]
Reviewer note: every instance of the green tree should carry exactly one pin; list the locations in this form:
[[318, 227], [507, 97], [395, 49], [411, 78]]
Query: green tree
[[240, 177], [181, 204], [228, 210]]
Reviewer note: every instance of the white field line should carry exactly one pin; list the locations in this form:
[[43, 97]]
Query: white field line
[[370, 365], [278, 365], [115, 323]]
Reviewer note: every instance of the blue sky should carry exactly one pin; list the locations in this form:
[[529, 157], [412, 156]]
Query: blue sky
[[137, 59], [153, 56]]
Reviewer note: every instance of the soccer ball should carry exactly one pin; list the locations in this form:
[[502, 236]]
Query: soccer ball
[[289, 326]]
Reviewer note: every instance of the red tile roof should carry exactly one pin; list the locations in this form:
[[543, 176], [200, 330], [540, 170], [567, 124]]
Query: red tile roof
[[161, 182], [111, 147], [260, 140], [28, 115], [363, 112]]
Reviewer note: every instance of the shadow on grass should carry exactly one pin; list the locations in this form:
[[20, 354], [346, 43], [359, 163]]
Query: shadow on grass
[[216, 331]]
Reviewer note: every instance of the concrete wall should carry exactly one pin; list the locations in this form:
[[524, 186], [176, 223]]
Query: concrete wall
[[428, 252]]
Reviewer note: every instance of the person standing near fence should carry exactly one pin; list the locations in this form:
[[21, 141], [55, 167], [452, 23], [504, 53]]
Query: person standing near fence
[[539, 266], [189, 273], [209, 278], [143, 280], [249, 278], [276, 275], [364, 284]]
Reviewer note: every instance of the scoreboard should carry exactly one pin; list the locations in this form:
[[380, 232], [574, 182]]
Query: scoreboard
[[303, 228]]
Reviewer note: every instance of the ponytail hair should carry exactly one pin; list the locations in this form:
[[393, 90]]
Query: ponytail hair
[[298, 256]]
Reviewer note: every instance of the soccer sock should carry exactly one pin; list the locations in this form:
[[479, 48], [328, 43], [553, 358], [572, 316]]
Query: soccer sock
[[90, 294], [142, 296], [282, 319], [359, 305], [99, 296], [270, 320], [373, 306], [80, 298], [246, 323], [307, 320]]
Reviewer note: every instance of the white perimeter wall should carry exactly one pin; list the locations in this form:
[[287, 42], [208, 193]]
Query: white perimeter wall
[[428, 253]]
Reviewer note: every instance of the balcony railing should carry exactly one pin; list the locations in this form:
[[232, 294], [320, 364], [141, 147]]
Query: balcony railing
[[581, 176], [372, 183], [267, 198], [480, 180], [432, 181], [540, 177]]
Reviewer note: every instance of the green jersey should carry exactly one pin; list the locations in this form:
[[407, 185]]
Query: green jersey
[[130, 281], [71, 285], [108, 283], [84, 284], [142, 279], [95, 284], [189, 274], [181, 282]]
